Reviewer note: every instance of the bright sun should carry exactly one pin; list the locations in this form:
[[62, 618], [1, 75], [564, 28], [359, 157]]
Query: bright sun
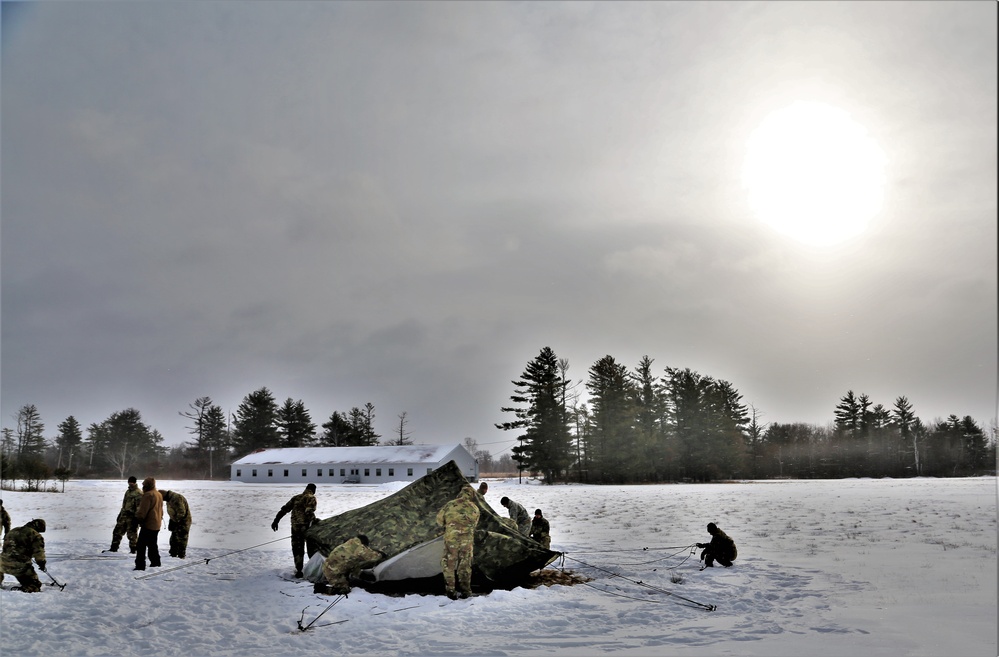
[[814, 174]]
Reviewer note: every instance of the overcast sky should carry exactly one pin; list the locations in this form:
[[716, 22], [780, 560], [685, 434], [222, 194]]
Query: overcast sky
[[404, 203]]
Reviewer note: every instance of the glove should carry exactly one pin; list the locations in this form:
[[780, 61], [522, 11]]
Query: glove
[[41, 566], [172, 525], [135, 525], [274, 525], [702, 545]]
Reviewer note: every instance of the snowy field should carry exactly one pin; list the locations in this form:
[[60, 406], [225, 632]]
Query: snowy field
[[850, 567]]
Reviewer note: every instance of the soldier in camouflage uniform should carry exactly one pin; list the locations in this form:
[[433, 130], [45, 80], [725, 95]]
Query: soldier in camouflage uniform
[[5, 517], [303, 515], [459, 518], [721, 547], [541, 530], [20, 546], [179, 524], [345, 561], [124, 525], [519, 515]]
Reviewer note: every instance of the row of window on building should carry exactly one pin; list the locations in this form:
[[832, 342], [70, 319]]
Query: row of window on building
[[354, 472]]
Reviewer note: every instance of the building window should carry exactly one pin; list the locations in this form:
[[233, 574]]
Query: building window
[[319, 472], [286, 472], [367, 472], [391, 472], [254, 472], [342, 472], [239, 473], [378, 472], [303, 472], [429, 470], [409, 472], [331, 472], [270, 473]]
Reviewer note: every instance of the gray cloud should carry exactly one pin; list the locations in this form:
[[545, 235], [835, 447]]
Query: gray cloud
[[402, 203]]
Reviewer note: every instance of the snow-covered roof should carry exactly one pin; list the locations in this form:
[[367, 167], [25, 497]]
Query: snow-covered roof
[[373, 454]]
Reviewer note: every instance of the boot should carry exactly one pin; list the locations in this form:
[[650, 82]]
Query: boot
[[113, 548]]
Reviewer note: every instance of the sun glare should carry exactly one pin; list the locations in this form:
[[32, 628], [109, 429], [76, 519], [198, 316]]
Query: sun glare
[[814, 174]]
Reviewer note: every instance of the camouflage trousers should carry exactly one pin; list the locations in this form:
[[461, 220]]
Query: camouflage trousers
[[24, 572], [298, 545], [178, 542], [457, 562], [124, 527]]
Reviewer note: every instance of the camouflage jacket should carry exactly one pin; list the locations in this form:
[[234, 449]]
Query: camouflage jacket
[[23, 544], [519, 514], [178, 510], [5, 518], [130, 502], [302, 508], [349, 557], [460, 515], [539, 528], [721, 546]]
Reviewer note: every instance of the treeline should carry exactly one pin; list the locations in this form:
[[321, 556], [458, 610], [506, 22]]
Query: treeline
[[639, 426], [636, 426], [123, 443]]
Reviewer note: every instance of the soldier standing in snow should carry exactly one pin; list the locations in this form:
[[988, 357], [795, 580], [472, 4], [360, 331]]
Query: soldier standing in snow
[[721, 548], [519, 515], [345, 560], [123, 525], [148, 519], [179, 524], [20, 546], [540, 530], [303, 515], [459, 518]]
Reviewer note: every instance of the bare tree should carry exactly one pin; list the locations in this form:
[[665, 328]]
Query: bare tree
[[403, 435]]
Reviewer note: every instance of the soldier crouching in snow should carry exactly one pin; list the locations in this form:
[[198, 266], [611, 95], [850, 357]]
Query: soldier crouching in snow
[[459, 518], [721, 548], [20, 546], [344, 561]]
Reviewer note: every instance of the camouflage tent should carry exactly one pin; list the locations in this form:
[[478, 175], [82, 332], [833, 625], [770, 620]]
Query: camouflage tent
[[407, 519]]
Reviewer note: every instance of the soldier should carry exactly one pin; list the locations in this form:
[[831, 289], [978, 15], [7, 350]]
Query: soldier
[[148, 519], [519, 515], [123, 526], [20, 546], [721, 548], [303, 516], [179, 524], [458, 518], [540, 530], [5, 517], [344, 562]]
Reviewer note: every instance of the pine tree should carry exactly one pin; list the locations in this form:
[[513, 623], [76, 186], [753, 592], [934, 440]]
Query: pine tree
[[255, 424], [612, 401], [295, 425], [545, 442]]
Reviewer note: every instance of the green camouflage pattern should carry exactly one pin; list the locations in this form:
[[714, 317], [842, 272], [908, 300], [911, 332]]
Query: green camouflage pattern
[[520, 516], [408, 517], [123, 524], [459, 518], [541, 531], [20, 546], [180, 523], [348, 559], [4, 518]]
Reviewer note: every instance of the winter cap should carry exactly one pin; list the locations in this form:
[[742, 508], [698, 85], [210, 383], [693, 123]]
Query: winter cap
[[504, 501], [311, 487], [131, 480], [711, 527], [38, 525]]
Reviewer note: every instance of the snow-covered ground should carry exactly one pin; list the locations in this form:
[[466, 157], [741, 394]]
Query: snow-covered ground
[[848, 567]]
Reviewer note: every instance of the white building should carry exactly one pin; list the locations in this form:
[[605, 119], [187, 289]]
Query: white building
[[358, 465]]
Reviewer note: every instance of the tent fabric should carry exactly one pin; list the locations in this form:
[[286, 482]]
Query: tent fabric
[[407, 518]]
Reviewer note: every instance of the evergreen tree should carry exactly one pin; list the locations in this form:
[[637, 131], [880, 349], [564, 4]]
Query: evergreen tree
[[545, 442], [650, 424], [613, 404], [295, 424], [68, 441], [28, 434], [128, 441], [255, 424], [336, 431]]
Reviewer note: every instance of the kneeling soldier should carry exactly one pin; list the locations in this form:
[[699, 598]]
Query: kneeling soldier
[[20, 546]]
